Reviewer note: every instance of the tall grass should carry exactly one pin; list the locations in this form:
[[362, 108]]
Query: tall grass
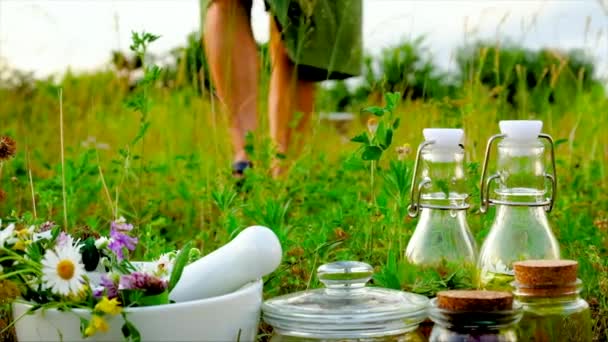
[[322, 209]]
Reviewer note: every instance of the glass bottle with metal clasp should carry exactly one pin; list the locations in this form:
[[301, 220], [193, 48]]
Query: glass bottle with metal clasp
[[520, 229], [440, 199]]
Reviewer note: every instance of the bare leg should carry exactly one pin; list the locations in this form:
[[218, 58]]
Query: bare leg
[[232, 55], [287, 95]]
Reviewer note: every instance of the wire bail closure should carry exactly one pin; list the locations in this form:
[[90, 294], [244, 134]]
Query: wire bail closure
[[413, 209], [484, 185]]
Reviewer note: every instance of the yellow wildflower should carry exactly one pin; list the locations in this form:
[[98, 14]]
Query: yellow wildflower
[[19, 246], [89, 331], [108, 306], [80, 295], [96, 324]]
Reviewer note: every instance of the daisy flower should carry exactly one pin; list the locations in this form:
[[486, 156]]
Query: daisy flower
[[63, 270]]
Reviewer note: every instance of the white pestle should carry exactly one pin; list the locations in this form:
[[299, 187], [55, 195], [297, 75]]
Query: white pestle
[[254, 253]]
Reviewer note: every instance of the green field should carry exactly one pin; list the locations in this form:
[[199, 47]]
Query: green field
[[174, 182]]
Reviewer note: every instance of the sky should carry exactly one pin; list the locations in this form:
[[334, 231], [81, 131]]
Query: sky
[[48, 36]]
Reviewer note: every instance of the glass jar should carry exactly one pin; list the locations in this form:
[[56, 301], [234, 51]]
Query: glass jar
[[442, 233], [520, 229], [463, 316], [549, 293], [346, 309]]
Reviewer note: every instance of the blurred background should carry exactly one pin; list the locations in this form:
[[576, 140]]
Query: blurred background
[[81, 34]]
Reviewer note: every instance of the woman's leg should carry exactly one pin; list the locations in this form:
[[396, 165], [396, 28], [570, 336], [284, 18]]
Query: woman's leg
[[287, 95], [232, 55]]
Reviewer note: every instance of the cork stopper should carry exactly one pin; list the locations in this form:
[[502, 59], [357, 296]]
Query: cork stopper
[[545, 272], [546, 278], [475, 300]]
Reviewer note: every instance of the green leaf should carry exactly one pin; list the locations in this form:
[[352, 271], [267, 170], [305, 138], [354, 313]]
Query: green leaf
[[392, 99], [371, 153], [151, 74], [136, 102], [149, 37], [377, 111], [443, 186], [361, 138], [560, 141], [142, 131], [151, 300], [55, 231], [249, 143], [180, 262], [388, 139], [396, 123], [381, 133], [129, 331]]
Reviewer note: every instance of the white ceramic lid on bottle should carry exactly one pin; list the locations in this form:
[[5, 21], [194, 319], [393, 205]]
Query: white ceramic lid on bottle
[[521, 136], [446, 142], [345, 308], [521, 130]]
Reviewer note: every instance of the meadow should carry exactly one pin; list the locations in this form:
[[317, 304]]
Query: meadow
[[167, 170]]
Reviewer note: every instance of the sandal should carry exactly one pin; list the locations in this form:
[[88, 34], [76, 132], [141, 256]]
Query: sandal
[[239, 167]]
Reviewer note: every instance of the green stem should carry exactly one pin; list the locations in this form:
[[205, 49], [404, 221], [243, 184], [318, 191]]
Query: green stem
[[371, 181], [373, 193], [10, 274], [21, 259]]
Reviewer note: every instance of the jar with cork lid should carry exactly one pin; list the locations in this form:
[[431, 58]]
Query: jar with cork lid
[[474, 315], [549, 293]]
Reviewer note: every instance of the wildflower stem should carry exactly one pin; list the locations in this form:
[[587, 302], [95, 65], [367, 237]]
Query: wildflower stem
[[33, 194], [21, 259], [371, 181], [14, 273], [105, 186], [65, 206]]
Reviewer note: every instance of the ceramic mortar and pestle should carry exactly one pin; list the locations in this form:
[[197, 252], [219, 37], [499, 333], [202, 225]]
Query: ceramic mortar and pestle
[[218, 298]]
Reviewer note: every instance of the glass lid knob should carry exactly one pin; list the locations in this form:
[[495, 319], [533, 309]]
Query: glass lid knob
[[345, 274]]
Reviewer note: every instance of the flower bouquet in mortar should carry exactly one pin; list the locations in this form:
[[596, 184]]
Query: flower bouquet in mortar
[[44, 269]]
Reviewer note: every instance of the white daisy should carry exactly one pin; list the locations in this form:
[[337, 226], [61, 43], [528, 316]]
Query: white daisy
[[7, 235], [63, 270]]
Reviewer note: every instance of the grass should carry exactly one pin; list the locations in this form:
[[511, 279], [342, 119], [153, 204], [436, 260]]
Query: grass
[[175, 185]]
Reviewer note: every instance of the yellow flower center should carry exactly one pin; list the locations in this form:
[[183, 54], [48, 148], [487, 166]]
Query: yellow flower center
[[65, 269]]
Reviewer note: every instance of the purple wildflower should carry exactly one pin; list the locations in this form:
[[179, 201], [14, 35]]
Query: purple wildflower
[[98, 292], [108, 286], [143, 281], [119, 240], [64, 240]]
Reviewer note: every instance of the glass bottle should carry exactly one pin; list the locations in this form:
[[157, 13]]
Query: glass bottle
[[442, 233], [346, 310], [549, 293], [520, 229], [487, 316]]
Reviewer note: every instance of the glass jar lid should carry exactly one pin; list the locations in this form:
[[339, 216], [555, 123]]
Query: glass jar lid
[[345, 308]]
